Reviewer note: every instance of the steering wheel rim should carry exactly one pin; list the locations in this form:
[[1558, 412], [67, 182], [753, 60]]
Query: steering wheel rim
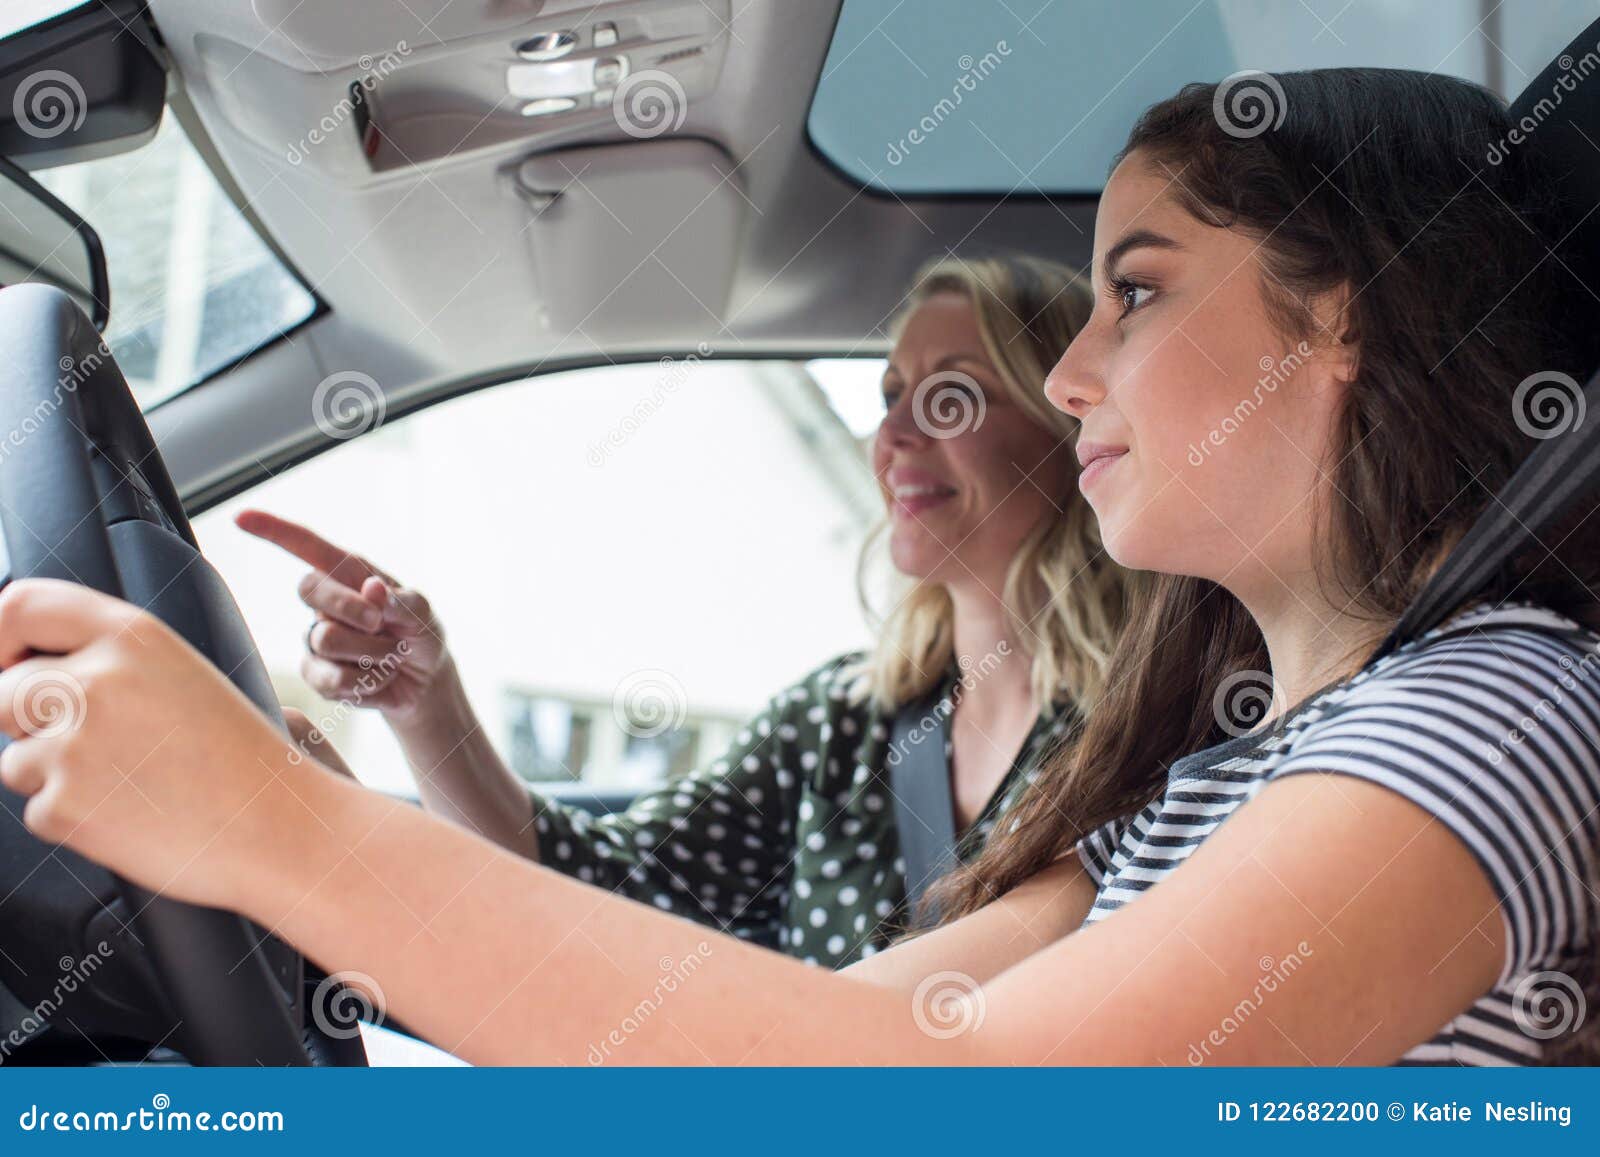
[[77, 450]]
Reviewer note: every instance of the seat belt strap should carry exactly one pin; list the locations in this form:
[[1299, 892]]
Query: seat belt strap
[[1559, 471], [919, 780]]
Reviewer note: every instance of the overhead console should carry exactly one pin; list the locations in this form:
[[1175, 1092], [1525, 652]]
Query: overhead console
[[555, 75]]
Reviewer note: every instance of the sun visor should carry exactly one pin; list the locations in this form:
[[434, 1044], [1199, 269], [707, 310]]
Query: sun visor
[[634, 243]]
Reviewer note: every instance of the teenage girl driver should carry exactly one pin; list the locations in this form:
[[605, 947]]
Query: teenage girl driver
[[1385, 862], [790, 839]]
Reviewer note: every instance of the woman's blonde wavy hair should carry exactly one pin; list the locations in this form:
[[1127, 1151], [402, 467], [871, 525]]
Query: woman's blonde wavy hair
[[1064, 597]]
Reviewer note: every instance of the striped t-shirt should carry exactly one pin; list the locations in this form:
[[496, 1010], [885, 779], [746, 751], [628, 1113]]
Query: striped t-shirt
[[1491, 723]]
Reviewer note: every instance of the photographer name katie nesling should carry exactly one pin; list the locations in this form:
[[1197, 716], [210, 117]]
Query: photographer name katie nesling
[[1535, 1111]]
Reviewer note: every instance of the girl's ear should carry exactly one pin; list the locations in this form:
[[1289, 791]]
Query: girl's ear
[[1338, 346]]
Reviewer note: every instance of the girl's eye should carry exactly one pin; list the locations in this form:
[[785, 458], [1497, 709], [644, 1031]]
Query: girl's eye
[[1130, 295], [890, 397]]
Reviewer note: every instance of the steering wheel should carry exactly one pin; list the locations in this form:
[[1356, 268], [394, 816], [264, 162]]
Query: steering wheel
[[85, 497]]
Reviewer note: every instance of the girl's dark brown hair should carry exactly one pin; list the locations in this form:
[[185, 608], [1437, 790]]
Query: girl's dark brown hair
[[1374, 193]]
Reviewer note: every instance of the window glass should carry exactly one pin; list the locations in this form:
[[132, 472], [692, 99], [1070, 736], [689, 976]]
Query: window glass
[[193, 287], [628, 561]]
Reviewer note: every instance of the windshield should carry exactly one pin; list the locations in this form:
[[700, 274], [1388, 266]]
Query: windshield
[[193, 288], [1035, 96]]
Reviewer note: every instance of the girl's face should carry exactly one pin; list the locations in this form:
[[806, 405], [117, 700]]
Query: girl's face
[[1206, 433], [965, 473]]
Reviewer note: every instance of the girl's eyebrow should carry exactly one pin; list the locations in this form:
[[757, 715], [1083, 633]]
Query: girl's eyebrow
[[1138, 239]]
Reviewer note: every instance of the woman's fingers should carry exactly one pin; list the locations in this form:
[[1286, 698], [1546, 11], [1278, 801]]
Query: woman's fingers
[[346, 682], [328, 596], [306, 544], [335, 641]]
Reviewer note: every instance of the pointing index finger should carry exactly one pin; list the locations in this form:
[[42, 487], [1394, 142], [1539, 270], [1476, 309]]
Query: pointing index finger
[[307, 545]]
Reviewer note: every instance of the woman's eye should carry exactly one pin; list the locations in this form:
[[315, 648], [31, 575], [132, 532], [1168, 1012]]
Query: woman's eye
[[890, 397], [1132, 296]]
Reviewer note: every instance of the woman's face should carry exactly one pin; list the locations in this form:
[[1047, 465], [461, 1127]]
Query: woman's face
[[1206, 433], [965, 473]]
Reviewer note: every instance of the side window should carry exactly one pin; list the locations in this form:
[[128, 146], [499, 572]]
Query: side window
[[628, 561]]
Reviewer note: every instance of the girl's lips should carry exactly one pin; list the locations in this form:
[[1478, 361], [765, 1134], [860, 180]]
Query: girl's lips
[[1098, 466]]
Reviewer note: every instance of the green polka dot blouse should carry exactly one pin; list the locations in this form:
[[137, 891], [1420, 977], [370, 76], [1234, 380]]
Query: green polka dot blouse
[[789, 839]]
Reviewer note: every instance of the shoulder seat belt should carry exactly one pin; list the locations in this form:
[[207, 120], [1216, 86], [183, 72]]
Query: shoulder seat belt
[[1558, 472], [919, 780]]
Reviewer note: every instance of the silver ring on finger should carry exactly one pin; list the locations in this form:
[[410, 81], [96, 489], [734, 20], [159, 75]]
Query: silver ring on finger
[[310, 646]]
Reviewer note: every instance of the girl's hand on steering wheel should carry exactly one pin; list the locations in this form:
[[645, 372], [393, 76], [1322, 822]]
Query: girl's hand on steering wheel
[[374, 642], [135, 751]]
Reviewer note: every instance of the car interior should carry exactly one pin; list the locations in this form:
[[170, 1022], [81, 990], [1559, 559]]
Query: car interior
[[448, 204]]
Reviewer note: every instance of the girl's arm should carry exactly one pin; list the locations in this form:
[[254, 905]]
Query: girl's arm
[[170, 777], [1005, 932]]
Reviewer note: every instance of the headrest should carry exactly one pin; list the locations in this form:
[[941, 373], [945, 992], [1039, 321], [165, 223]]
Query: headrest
[[1557, 117]]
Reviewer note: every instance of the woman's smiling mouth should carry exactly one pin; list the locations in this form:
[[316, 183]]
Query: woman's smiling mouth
[[914, 492]]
